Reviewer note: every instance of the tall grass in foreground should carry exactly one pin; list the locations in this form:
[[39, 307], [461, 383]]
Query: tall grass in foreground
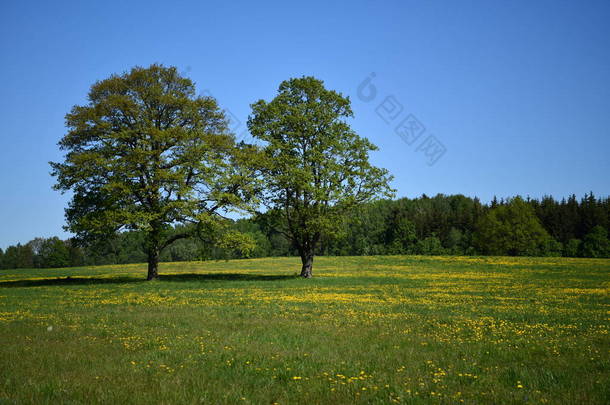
[[365, 330]]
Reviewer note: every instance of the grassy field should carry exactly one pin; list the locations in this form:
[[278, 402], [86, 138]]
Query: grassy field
[[375, 330]]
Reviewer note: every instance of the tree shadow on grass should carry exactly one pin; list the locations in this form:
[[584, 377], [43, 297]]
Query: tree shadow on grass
[[224, 276], [186, 277]]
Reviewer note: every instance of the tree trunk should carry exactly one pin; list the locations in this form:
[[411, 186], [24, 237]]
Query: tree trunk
[[306, 270], [153, 246], [153, 264]]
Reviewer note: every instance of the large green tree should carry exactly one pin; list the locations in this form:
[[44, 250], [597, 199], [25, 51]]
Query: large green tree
[[146, 153], [317, 168], [54, 253], [511, 229], [596, 243]]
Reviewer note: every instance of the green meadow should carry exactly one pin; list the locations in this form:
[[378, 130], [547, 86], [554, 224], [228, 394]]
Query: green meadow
[[374, 330]]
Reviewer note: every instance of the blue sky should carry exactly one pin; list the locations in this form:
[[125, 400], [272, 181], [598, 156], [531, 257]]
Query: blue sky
[[517, 93]]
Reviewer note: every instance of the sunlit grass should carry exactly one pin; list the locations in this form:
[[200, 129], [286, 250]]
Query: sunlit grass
[[364, 330]]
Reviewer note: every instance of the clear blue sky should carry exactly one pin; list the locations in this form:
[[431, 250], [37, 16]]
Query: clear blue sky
[[517, 92]]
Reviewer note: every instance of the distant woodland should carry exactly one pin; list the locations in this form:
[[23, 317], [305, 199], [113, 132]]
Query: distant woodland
[[440, 225]]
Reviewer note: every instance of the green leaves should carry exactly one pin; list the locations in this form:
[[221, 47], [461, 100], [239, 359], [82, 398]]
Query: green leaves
[[511, 229], [147, 153], [316, 168]]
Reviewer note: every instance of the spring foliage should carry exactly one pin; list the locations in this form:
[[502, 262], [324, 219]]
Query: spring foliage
[[146, 153], [317, 167]]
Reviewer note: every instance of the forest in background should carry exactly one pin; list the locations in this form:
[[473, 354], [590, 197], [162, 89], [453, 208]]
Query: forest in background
[[440, 225]]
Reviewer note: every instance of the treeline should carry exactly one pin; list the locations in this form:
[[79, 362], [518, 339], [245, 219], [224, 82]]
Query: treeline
[[459, 225], [454, 225]]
